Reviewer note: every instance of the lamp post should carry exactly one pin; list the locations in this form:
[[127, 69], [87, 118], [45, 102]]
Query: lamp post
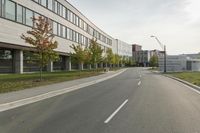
[[165, 54]]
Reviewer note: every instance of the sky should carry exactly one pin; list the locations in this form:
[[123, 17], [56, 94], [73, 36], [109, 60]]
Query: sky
[[176, 23]]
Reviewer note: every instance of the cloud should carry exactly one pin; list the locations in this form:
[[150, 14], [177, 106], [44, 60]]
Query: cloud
[[175, 22]]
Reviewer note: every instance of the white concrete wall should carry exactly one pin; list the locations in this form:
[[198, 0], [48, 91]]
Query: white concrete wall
[[10, 32], [196, 66], [123, 48], [174, 63]]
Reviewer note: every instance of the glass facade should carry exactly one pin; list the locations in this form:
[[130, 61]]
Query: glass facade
[[6, 60], [50, 4], [60, 64], [1, 7], [30, 62], [10, 10], [29, 16], [19, 14], [43, 2]]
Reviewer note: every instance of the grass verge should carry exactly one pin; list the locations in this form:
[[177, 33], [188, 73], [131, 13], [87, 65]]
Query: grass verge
[[192, 77], [15, 82]]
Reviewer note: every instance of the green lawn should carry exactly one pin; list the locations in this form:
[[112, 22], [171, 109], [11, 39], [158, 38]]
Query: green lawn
[[14, 82], [192, 77]]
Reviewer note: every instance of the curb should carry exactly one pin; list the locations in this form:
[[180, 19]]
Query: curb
[[184, 82], [22, 102]]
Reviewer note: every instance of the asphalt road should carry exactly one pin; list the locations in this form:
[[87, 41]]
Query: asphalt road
[[137, 101]]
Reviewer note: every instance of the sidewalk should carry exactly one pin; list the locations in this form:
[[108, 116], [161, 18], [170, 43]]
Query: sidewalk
[[32, 95]]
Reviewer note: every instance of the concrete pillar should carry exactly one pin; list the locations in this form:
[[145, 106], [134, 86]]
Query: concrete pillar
[[18, 61], [81, 66], [50, 67], [95, 66], [89, 67], [68, 64]]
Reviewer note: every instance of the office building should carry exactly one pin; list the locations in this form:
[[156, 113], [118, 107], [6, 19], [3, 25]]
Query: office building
[[178, 63], [142, 57], [69, 26]]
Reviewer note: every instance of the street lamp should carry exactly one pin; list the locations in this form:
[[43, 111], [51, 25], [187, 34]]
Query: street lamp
[[165, 54]]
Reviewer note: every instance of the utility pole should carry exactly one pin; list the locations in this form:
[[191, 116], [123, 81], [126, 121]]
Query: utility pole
[[165, 53]]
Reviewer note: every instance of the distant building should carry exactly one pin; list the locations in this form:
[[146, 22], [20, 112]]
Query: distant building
[[136, 47], [178, 63], [142, 57], [193, 56], [123, 48]]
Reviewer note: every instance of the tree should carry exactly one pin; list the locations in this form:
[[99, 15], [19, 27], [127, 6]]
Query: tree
[[42, 39], [154, 61], [79, 54], [96, 52], [109, 56], [124, 60], [88, 57], [117, 59]]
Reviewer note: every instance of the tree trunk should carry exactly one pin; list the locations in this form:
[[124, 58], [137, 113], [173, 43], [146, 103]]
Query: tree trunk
[[41, 66], [40, 74]]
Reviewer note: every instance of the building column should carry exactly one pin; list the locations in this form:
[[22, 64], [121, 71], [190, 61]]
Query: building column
[[50, 67], [80, 66], [68, 64], [95, 66], [18, 61]]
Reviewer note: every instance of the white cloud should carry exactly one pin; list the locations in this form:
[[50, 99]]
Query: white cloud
[[175, 22]]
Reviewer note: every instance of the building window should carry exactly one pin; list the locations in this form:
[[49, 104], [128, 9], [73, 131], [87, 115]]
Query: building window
[[55, 28], [71, 16], [59, 30], [56, 7], [85, 26], [10, 10], [36, 15], [30, 62], [29, 16], [68, 15], [1, 8], [51, 24], [44, 2], [74, 18], [63, 32], [50, 4], [74, 36], [60, 9], [70, 35], [6, 59], [19, 14], [77, 37], [36, 1], [64, 12], [77, 21]]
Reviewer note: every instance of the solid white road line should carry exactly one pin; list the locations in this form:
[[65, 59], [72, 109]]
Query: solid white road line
[[116, 111], [22, 102], [139, 83]]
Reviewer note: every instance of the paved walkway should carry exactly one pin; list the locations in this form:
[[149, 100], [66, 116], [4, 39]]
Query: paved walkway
[[27, 93]]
